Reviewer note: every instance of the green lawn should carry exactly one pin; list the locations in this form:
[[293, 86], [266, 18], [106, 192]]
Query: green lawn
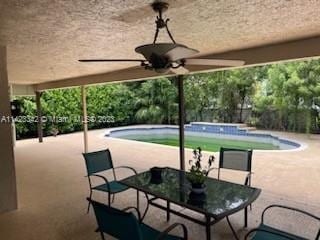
[[207, 144]]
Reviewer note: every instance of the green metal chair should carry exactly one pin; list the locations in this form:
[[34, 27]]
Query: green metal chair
[[265, 232], [240, 160], [124, 225], [100, 161], [236, 159]]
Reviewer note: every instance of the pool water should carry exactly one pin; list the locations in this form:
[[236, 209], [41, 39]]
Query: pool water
[[206, 143]]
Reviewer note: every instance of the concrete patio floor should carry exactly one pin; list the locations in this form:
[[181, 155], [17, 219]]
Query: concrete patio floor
[[52, 187]]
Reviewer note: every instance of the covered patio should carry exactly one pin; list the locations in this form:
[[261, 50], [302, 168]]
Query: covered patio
[[52, 189], [40, 43]]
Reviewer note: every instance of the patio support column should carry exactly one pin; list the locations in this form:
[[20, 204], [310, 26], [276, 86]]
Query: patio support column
[[8, 190], [85, 118], [181, 121], [39, 115], [13, 125]]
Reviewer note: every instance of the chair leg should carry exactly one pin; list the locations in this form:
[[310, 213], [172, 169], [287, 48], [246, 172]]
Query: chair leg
[[109, 199], [232, 229], [102, 235], [168, 211], [88, 209], [250, 186], [147, 207], [138, 201], [208, 228], [246, 217], [113, 197]]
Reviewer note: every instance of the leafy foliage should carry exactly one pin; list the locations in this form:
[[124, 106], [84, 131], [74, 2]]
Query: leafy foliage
[[279, 96], [156, 102]]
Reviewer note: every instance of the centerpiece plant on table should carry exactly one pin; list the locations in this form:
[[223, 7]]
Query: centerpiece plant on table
[[199, 171]]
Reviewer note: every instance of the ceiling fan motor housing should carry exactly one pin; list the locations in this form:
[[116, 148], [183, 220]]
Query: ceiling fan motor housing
[[159, 63], [160, 6]]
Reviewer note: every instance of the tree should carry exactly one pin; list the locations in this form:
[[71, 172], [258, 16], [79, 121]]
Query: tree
[[201, 93], [110, 105], [283, 97], [277, 75], [25, 128], [244, 81], [309, 72], [156, 102]]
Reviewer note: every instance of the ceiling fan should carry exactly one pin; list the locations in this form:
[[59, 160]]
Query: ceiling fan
[[166, 57]]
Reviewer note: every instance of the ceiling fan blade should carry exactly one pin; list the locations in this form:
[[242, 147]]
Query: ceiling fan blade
[[214, 62], [135, 14], [111, 60], [180, 70], [180, 52]]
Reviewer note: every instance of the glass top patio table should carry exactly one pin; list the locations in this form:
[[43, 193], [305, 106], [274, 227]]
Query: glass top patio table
[[221, 198]]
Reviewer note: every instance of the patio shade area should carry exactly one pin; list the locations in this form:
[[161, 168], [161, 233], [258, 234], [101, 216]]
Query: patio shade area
[[46, 38], [41, 42], [52, 187]]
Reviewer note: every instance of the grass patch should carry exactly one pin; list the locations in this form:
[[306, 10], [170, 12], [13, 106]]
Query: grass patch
[[207, 144]]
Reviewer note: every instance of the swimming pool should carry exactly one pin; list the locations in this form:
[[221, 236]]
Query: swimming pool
[[209, 136]]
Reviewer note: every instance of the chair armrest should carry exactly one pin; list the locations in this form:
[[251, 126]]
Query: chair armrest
[[170, 228], [210, 169], [136, 210], [269, 232], [127, 167], [102, 177], [288, 208]]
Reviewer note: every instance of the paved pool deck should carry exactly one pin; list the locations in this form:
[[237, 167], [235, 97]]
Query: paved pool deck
[[52, 187]]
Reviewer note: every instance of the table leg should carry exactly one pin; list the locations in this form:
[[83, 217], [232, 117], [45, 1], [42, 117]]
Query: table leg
[[208, 228], [246, 217], [168, 211]]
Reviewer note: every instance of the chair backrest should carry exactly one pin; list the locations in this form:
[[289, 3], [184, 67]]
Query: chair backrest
[[119, 224], [98, 161], [236, 159]]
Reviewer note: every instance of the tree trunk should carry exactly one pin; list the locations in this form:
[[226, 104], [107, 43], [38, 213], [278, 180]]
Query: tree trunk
[[241, 110], [168, 113], [201, 114], [295, 127], [308, 121], [280, 120], [240, 115]]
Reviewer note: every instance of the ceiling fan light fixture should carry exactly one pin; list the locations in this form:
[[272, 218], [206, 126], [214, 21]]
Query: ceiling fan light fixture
[[162, 70], [161, 49]]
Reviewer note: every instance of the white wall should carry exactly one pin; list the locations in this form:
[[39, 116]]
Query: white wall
[[8, 192]]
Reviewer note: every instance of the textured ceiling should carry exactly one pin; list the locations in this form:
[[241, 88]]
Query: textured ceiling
[[46, 37]]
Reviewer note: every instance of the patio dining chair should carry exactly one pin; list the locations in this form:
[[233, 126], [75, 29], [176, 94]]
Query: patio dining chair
[[101, 161], [124, 225], [266, 232], [236, 159], [239, 160]]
